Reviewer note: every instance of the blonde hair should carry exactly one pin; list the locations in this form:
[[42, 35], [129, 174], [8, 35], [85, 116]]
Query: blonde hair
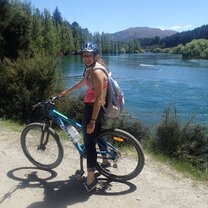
[[100, 61]]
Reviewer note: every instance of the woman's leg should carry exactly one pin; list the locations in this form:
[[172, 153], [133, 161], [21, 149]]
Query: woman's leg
[[89, 141]]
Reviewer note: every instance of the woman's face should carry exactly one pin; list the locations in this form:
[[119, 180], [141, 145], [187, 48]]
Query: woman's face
[[88, 58]]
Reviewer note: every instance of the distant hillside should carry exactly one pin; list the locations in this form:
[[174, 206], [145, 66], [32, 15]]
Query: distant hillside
[[185, 37], [140, 32]]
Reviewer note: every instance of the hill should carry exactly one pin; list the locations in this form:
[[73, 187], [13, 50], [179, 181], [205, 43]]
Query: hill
[[185, 37], [140, 32]]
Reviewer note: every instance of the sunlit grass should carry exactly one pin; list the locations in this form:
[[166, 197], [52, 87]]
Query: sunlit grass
[[181, 166], [12, 125]]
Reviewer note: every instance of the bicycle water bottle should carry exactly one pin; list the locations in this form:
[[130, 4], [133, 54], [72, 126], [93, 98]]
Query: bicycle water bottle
[[73, 133]]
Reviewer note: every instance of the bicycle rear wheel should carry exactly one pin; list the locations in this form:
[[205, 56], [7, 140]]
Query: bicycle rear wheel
[[123, 152], [41, 146]]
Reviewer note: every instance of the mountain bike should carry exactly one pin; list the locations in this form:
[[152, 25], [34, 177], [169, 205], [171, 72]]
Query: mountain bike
[[42, 145]]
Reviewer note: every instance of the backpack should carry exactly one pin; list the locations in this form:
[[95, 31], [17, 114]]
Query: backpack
[[114, 98]]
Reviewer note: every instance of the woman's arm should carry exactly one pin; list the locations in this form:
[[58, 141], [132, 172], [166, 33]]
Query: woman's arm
[[73, 88]]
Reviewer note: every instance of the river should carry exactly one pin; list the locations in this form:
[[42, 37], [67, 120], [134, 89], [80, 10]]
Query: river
[[153, 82]]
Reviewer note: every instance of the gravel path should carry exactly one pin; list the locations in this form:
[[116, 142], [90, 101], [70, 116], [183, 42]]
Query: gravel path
[[24, 186]]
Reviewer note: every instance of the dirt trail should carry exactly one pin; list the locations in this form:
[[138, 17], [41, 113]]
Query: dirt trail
[[24, 186]]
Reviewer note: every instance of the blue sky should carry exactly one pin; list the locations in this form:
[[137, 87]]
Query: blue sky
[[111, 16]]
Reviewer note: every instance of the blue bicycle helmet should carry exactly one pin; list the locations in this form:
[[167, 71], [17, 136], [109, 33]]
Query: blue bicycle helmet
[[90, 47]]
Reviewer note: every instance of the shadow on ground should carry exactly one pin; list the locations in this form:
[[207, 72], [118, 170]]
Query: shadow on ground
[[61, 193]]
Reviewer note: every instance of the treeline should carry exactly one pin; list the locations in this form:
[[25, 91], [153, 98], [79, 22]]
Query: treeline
[[27, 29], [185, 37], [190, 44], [176, 39], [31, 31], [194, 49]]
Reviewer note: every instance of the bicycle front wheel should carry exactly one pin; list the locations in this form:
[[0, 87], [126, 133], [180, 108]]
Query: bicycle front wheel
[[122, 152], [41, 146]]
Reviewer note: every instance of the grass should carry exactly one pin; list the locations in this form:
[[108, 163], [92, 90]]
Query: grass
[[181, 166], [12, 125], [15, 126]]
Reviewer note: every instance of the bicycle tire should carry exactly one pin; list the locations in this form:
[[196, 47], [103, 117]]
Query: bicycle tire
[[50, 155], [128, 155]]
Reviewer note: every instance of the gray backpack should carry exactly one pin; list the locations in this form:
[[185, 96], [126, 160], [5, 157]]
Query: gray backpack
[[115, 97]]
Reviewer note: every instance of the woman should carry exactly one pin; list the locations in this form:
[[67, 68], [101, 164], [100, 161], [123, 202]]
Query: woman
[[96, 82]]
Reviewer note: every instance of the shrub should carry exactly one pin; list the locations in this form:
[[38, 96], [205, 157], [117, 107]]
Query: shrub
[[194, 145], [129, 124], [167, 134], [72, 106], [187, 142], [25, 82]]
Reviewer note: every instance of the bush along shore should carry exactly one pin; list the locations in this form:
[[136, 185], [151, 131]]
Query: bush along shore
[[184, 144]]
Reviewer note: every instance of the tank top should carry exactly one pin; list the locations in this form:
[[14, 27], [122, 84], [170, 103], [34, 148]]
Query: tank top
[[89, 94]]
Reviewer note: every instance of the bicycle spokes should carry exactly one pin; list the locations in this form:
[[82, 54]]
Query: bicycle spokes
[[124, 153]]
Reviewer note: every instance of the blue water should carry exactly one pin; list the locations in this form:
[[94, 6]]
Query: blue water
[[152, 82]]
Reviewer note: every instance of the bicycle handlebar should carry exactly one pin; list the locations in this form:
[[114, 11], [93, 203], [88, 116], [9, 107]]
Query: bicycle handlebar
[[50, 101], [53, 99]]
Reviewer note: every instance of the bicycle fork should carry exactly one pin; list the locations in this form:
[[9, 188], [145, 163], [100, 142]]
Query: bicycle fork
[[44, 139]]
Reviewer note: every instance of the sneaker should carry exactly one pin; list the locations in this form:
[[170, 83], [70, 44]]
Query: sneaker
[[91, 186]]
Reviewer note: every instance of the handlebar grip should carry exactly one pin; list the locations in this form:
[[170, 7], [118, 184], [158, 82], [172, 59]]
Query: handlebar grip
[[55, 98]]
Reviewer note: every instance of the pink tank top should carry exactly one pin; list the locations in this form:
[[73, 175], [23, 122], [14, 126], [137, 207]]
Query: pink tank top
[[89, 95]]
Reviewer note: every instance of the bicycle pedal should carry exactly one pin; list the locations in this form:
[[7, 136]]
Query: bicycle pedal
[[103, 186]]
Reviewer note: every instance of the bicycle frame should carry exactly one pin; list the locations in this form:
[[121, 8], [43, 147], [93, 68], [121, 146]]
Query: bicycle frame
[[63, 121], [51, 113]]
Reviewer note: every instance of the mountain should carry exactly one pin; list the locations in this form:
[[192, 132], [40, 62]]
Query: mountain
[[140, 32]]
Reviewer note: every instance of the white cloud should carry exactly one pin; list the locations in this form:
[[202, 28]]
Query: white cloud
[[178, 27]]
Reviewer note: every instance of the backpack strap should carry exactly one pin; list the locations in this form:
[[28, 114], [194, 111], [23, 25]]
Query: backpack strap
[[95, 68]]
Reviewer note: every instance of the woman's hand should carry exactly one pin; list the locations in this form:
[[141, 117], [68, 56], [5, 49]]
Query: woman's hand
[[77, 86], [63, 94], [91, 127]]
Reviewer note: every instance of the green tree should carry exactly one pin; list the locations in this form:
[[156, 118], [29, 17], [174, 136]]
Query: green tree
[[76, 32], [106, 46], [195, 49], [67, 39], [37, 39], [49, 34], [15, 34], [4, 21], [57, 16]]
